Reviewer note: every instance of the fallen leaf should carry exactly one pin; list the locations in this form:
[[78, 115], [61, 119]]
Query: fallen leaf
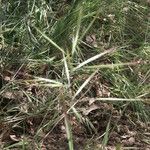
[[91, 108], [91, 40], [14, 138], [131, 140]]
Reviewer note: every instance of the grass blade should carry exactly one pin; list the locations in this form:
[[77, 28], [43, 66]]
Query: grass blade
[[94, 58], [75, 40], [84, 84], [69, 134], [66, 70], [51, 41]]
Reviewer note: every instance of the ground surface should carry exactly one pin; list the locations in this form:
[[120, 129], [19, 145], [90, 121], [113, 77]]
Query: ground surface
[[125, 129]]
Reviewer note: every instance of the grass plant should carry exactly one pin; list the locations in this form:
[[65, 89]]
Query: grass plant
[[52, 53]]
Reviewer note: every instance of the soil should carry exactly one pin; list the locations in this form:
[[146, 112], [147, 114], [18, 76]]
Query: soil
[[125, 130]]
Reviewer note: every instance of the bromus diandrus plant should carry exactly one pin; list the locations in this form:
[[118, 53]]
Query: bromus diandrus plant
[[53, 54]]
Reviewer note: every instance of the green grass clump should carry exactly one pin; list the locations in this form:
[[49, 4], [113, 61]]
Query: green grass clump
[[54, 53]]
